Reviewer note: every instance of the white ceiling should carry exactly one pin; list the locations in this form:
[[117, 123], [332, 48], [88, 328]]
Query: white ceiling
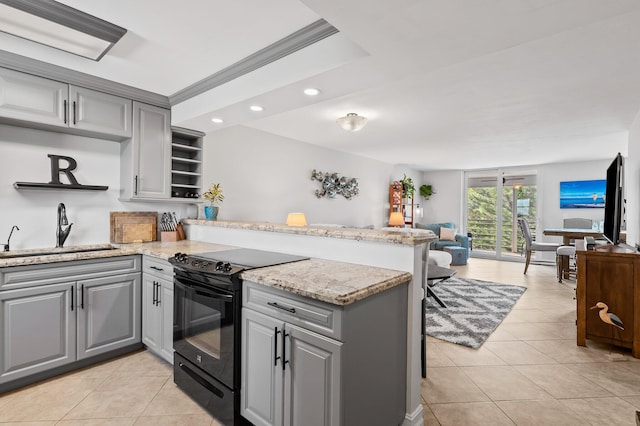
[[445, 84]]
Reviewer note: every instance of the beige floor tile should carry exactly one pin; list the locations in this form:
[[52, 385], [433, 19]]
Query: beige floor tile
[[501, 335], [45, 423], [428, 418], [535, 331], [615, 377], [523, 315], [120, 421], [504, 383], [55, 399], [435, 356], [537, 413], [472, 413], [172, 401], [561, 382], [180, 420], [567, 351], [449, 384], [562, 330], [144, 363], [603, 411], [463, 356], [518, 353], [118, 397], [633, 400]]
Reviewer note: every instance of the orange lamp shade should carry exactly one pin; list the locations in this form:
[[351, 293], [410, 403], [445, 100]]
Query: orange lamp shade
[[296, 219], [396, 219]]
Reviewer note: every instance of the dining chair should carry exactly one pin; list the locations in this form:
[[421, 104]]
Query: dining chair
[[576, 223], [530, 245], [564, 254]]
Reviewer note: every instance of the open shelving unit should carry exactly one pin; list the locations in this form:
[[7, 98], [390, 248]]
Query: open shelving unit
[[186, 163]]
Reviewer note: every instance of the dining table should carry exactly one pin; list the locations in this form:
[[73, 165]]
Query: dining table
[[569, 234]]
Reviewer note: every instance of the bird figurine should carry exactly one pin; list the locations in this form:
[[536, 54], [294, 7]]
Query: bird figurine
[[607, 316]]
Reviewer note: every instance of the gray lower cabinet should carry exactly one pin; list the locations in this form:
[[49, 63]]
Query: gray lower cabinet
[[157, 307], [291, 376], [52, 315], [38, 330], [306, 362], [40, 102], [109, 314]]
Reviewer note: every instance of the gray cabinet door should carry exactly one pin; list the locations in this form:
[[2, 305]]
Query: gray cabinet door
[[37, 330], [99, 112], [109, 314], [261, 374], [151, 314], [166, 306], [25, 97], [312, 379], [151, 151]]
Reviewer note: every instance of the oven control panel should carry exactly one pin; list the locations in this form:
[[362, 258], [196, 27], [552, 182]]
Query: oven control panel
[[211, 266]]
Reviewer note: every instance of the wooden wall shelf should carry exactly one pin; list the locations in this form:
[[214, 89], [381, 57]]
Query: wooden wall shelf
[[38, 185]]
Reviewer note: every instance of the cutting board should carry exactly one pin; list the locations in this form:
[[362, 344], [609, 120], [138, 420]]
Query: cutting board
[[131, 227]]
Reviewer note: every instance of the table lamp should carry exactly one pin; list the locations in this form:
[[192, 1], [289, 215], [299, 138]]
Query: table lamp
[[296, 219], [396, 219]]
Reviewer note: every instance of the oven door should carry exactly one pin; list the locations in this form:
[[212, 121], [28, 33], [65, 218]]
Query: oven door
[[205, 323]]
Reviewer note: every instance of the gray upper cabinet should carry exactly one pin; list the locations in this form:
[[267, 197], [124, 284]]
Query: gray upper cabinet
[[145, 159], [109, 314], [38, 330], [39, 102], [27, 98], [99, 112]]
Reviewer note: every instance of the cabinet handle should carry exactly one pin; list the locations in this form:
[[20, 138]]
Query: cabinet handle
[[284, 340], [135, 186], [82, 296], [275, 349], [72, 297], [284, 308], [74, 113], [158, 293], [155, 294], [65, 111], [156, 268]]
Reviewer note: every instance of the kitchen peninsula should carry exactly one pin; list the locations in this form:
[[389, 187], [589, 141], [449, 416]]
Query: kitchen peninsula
[[359, 282]]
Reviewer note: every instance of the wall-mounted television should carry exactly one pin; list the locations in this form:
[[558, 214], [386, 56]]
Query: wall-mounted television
[[614, 200]]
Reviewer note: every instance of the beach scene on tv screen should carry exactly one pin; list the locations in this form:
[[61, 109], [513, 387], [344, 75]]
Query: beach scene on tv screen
[[583, 194]]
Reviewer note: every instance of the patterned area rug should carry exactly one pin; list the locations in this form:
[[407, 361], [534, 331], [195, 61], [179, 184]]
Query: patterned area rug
[[474, 309]]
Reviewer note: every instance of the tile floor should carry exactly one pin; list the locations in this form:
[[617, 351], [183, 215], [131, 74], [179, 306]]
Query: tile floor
[[529, 372]]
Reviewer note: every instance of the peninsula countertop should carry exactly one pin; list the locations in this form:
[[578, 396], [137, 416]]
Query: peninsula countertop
[[338, 283], [406, 236]]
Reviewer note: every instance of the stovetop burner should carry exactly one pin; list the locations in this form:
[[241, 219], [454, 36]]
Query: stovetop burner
[[231, 262]]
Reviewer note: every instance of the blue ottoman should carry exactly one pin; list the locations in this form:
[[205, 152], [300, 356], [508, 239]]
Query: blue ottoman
[[458, 255]]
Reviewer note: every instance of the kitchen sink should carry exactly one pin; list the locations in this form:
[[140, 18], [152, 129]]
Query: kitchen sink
[[53, 251]]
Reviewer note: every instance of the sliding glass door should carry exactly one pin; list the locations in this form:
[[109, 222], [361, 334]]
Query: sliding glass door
[[495, 201]]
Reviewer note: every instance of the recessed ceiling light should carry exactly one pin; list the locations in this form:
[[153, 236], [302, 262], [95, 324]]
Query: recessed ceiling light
[[256, 108], [217, 120], [311, 91]]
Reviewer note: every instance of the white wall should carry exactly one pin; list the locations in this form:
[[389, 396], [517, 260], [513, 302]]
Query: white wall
[[265, 176], [632, 184], [23, 158], [446, 204]]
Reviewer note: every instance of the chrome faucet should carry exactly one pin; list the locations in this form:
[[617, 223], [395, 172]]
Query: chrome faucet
[[6, 246], [62, 234]]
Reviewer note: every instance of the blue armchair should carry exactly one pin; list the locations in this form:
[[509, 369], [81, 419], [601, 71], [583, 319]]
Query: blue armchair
[[461, 239]]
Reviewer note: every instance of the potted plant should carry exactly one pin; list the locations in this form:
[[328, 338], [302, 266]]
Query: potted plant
[[426, 191], [213, 195], [408, 189]]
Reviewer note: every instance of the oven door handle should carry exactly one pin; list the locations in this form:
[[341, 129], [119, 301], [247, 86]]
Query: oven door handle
[[195, 376], [201, 290]]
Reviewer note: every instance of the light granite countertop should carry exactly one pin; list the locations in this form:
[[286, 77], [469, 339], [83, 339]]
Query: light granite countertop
[[405, 236], [333, 282]]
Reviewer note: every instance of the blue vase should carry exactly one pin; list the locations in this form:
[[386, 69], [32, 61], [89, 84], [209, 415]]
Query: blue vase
[[210, 212]]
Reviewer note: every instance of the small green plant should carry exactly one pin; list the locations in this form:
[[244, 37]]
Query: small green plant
[[426, 191], [214, 194], [408, 189]]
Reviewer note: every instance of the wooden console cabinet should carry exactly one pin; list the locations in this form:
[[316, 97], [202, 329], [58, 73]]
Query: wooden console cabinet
[[609, 274]]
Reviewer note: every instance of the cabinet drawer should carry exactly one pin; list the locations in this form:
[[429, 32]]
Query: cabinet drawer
[[50, 273], [157, 267], [320, 317]]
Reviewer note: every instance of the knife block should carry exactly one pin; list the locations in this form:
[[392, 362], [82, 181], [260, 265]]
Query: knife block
[[169, 236]]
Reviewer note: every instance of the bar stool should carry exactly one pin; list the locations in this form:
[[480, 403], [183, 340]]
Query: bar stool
[[563, 255]]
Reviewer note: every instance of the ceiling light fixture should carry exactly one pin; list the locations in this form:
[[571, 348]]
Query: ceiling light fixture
[[217, 120], [59, 26], [312, 91], [256, 108], [352, 122]]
